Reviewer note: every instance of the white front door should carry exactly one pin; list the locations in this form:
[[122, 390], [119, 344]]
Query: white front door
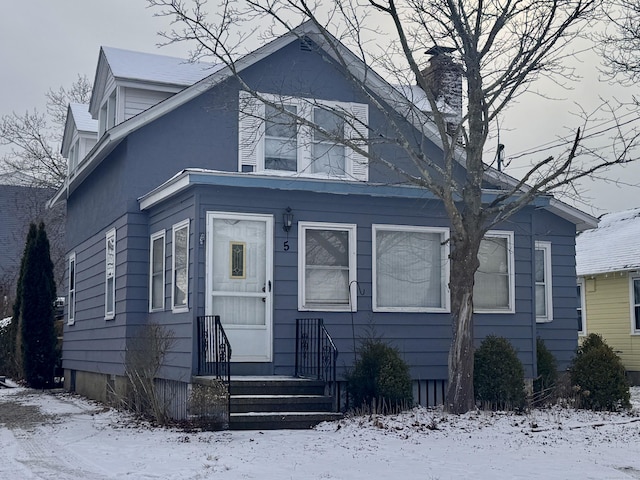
[[239, 281]]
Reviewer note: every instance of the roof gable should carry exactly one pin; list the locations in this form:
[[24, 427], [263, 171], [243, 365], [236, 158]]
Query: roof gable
[[78, 120], [144, 68], [612, 247], [331, 46]]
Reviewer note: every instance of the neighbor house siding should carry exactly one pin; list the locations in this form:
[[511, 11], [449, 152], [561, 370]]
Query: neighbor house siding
[[608, 311]]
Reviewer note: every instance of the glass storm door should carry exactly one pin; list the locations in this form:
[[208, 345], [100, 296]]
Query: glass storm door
[[239, 281]]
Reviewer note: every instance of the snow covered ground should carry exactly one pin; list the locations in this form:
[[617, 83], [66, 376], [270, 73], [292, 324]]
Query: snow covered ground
[[61, 436]]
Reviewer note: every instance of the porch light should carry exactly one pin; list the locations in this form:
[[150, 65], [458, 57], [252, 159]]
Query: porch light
[[287, 219]]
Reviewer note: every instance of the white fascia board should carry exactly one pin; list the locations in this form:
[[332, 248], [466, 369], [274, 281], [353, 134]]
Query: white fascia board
[[583, 221], [99, 83], [174, 185], [67, 136]]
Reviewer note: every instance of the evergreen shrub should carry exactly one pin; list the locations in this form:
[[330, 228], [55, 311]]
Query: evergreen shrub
[[380, 376], [598, 376], [498, 378]]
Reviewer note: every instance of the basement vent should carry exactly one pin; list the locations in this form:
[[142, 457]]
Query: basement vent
[[305, 44]]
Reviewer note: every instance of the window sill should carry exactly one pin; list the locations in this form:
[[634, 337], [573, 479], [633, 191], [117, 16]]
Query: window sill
[[327, 308], [502, 311], [411, 310], [179, 309], [544, 320], [110, 316]]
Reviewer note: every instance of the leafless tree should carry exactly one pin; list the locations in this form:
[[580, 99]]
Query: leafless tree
[[499, 47], [34, 139], [620, 40]]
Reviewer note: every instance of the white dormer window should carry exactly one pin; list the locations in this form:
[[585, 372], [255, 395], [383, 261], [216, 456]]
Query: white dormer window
[[107, 118], [73, 156], [280, 138]]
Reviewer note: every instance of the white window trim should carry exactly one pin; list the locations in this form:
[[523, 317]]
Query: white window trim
[[178, 226], [548, 286], [444, 235], [109, 314], [511, 265], [156, 236], [583, 307], [251, 149], [632, 310], [351, 228], [71, 292]]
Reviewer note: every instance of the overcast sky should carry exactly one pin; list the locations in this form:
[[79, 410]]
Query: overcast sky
[[46, 44]]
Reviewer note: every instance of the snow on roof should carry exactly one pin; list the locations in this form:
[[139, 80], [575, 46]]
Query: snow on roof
[[82, 118], [612, 247], [149, 67]]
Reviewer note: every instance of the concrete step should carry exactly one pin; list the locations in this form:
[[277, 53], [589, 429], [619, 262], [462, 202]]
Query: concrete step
[[276, 386], [280, 403], [279, 420]]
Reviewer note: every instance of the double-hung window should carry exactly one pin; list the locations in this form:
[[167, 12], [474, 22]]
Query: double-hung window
[[107, 116], [180, 270], [494, 288], [410, 269], [290, 135], [635, 304], [110, 275], [156, 273], [542, 272], [328, 156], [581, 310], [281, 139], [327, 262], [71, 306]]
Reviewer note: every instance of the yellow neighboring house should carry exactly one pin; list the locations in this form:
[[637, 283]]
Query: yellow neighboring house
[[608, 269]]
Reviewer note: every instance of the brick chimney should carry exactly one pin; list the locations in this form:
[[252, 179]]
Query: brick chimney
[[444, 78]]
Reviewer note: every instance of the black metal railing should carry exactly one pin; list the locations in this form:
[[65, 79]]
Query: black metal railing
[[316, 354], [214, 349]]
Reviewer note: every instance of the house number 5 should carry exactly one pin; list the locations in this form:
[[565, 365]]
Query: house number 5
[[286, 245]]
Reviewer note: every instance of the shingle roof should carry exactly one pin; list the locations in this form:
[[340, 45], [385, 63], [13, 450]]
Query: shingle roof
[[612, 247], [82, 118], [148, 67]]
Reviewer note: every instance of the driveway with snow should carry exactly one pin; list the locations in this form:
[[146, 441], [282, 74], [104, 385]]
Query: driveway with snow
[[62, 436]]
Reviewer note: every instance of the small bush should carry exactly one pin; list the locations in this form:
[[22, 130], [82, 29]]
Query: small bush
[[379, 376], [498, 378], [598, 376], [544, 385]]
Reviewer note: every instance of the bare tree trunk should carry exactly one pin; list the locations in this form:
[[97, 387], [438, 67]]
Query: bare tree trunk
[[464, 263]]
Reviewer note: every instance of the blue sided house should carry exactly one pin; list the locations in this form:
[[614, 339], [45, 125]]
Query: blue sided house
[[267, 249]]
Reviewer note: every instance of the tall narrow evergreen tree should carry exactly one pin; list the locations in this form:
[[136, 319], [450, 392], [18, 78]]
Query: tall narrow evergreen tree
[[37, 294], [15, 332]]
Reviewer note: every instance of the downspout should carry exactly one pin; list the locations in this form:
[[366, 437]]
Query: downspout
[[534, 325]]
